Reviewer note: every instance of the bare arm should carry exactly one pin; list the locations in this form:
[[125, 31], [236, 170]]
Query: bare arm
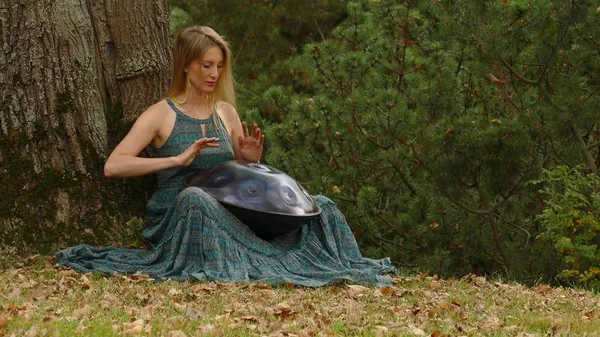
[[245, 146], [124, 162]]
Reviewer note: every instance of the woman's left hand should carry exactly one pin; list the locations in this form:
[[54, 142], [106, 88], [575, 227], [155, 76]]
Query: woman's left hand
[[251, 145]]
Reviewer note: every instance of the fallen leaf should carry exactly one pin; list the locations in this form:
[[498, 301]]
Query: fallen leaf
[[283, 311], [305, 333], [135, 327], [416, 331], [490, 323], [250, 318], [379, 329], [15, 293], [179, 306], [543, 289], [494, 79], [289, 285], [85, 283], [207, 328], [80, 313], [268, 293], [356, 291], [386, 290], [176, 333], [193, 313], [3, 322]]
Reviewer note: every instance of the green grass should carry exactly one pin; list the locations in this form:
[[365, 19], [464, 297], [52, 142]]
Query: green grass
[[38, 298]]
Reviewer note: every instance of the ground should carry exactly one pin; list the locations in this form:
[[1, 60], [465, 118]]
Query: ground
[[40, 298]]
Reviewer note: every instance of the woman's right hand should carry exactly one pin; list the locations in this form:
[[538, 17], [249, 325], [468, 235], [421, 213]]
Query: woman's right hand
[[187, 157]]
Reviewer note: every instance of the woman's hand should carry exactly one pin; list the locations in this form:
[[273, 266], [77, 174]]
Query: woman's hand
[[187, 157], [251, 145]]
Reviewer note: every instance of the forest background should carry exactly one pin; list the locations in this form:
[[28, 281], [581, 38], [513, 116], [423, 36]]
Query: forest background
[[457, 137]]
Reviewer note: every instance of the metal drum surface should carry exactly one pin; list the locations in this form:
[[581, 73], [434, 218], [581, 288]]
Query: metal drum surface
[[264, 198]]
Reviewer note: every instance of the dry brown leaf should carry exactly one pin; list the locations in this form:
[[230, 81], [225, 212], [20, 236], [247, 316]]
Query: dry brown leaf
[[416, 331], [380, 329], [15, 293], [206, 329], [193, 313], [138, 277], [85, 283], [289, 285], [283, 311], [490, 323], [543, 289], [263, 286], [176, 333], [305, 333], [249, 318], [267, 293], [3, 322], [179, 306], [223, 319], [209, 287], [80, 313], [494, 79], [67, 273], [135, 327], [386, 291], [356, 291]]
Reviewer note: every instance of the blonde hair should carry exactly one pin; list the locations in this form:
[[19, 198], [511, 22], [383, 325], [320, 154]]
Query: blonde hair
[[190, 45]]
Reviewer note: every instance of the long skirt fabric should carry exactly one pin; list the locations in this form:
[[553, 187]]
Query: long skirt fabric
[[202, 240]]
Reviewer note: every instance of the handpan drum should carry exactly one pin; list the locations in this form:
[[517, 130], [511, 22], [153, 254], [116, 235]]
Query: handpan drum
[[264, 198]]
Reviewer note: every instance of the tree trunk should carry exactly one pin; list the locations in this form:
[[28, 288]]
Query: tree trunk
[[74, 74]]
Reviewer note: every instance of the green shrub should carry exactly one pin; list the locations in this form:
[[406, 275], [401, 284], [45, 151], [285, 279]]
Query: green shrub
[[570, 221]]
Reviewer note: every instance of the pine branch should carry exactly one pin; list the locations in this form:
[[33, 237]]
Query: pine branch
[[517, 74], [587, 155], [494, 225]]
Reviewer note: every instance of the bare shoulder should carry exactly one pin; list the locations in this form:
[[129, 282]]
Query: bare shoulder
[[157, 111], [230, 117], [227, 111]]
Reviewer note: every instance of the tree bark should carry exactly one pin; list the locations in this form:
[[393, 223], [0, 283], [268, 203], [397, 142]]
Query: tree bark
[[74, 74]]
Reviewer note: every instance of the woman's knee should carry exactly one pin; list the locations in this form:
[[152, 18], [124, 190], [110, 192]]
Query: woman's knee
[[194, 196]]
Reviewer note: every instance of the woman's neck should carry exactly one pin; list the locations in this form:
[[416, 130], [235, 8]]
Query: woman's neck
[[197, 105]]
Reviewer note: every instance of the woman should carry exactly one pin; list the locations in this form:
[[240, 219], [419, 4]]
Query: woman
[[191, 235]]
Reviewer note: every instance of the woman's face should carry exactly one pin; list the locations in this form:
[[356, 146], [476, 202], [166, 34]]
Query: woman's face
[[204, 72]]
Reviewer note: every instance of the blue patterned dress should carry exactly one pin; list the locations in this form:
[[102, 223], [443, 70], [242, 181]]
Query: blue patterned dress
[[192, 236]]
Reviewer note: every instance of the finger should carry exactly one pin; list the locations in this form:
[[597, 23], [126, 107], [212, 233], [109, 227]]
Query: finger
[[261, 141], [255, 130], [241, 142], [206, 140], [257, 133], [245, 129]]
